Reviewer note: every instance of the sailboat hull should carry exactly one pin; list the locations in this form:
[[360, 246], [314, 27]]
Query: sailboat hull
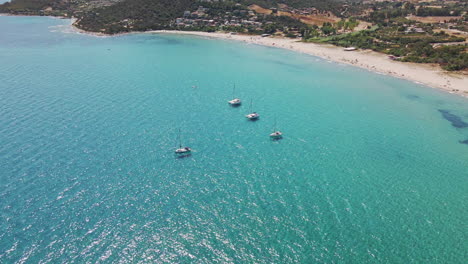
[[252, 117], [235, 102]]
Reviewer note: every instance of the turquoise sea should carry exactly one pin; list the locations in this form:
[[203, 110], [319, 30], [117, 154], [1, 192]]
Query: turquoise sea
[[372, 169]]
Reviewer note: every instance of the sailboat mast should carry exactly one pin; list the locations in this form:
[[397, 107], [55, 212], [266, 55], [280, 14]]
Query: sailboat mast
[[180, 140]]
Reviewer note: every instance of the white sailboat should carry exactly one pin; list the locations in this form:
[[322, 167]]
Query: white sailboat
[[182, 150], [235, 101], [252, 115], [276, 133]]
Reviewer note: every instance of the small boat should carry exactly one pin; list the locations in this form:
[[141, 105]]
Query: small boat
[[252, 115], [235, 101], [182, 150], [276, 133]]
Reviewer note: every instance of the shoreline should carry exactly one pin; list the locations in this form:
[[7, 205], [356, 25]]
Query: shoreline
[[426, 74]]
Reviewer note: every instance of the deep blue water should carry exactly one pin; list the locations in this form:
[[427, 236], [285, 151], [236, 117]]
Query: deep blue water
[[372, 169]]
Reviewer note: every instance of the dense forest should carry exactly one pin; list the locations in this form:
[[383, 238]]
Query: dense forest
[[426, 11], [25, 6], [136, 15], [140, 15]]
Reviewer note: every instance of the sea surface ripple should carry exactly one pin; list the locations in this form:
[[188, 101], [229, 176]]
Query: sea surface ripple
[[371, 169]]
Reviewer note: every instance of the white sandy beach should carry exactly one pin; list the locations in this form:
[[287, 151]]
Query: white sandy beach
[[430, 75]]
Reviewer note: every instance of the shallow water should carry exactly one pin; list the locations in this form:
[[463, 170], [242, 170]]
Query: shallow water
[[372, 169]]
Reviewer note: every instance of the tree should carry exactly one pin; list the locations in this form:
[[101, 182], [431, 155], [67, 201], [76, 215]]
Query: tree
[[327, 28]]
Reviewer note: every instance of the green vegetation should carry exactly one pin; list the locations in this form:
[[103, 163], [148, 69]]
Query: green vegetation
[[32, 7], [406, 40], [419, 48], [426, 11], [331, 5], [278, 23], [134, 15], [28, 5], [452, 58], [349, 24]]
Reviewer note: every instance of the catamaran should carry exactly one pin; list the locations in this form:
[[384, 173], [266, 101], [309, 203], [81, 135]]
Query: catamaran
[[276, 133], [252, 115], [182, 150], [235, 101]]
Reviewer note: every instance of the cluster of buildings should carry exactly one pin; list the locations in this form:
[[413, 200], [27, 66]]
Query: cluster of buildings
[[202, 17], [90, 4], [413, 29], [301, 11]]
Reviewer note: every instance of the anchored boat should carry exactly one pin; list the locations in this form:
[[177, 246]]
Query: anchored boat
[[235, 101], [276, 133], [182, 150], [252, 115]]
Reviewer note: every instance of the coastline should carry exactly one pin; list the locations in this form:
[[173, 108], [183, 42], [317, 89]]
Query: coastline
[[427, 74]]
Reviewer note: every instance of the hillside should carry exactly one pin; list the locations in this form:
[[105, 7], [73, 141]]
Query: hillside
[[114, 16], [53, 7], [135, 15], [139, 15], [30, 6], [319, 4]]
